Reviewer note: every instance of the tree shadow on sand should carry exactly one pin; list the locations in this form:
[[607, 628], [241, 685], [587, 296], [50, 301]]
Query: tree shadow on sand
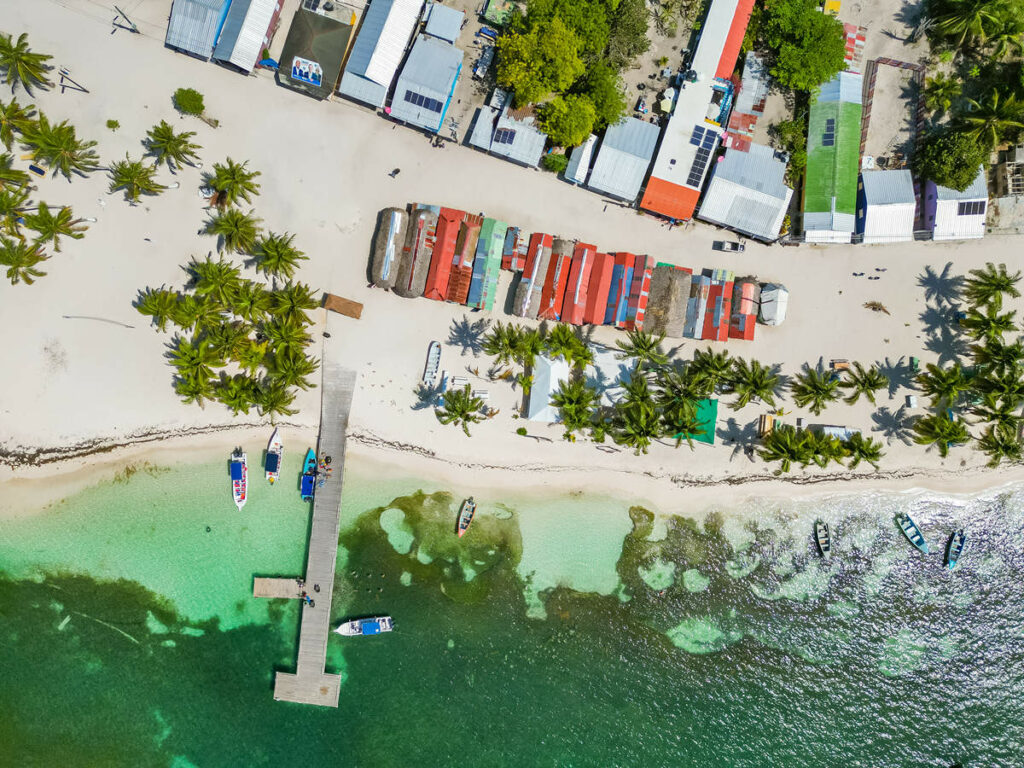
[[898, 373], [941, 287], [894, 425], [427, 396], [469, 335]]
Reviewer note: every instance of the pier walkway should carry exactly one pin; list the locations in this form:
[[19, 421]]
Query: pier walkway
[[310, 684]]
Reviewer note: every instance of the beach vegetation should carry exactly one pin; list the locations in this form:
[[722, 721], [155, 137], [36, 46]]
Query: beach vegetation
[[216, 279], [292, 301], [988, 286], [537, 59], [461, 408], [250, 301], [943, 385], [237, 232], [568, 120], [752, 380], [791, 137], [14, 118], [285, 333], [713, 369], [195, 389], [940, 91], [998, 117], [859, 448], [643, 348], [195, 357], [1001, 412], [603, 88], [9, 175], [636, 419], [863, 381], [995, 356], [233, 183], [289, 366], [188, 101], [1000, 445], [135, 177], [556, 162], [237, 392], [680, 422], [50, 227], [23, 66], [575, 401], [530, 343], [787, 446], [13, 203], [274, 399], [949, 157], [502, 342], [562, 341], [113, 125], [158, 303], [988, 323], [814, 388], [168, 146], [58, 146], [277, 256], [21, 260], [943, 430]]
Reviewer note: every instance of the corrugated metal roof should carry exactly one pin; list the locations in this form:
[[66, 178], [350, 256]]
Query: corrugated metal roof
[[579, 161], [888, 187], [547, 375], [431, 70], [977, 191], [241, 40], [624, 158], [194, 24], [753, 86], [844, 87], [525, 143], [445, 22], [386, 28]]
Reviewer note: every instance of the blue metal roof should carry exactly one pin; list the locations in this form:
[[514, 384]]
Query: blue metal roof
[[195, 25]]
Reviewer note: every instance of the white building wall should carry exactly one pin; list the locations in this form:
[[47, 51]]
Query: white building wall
[[892, 223], [950, 226]]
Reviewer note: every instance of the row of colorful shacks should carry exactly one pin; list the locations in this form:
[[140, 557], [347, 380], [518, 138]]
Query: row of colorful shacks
[[450, 255]]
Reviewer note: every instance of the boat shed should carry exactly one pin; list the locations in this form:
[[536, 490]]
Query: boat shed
[[579, 161], [666, 306], [886, 206], [388, 241], [746, 295], [623, 159], [487, 265], [547, 375], [508, 133], [461, 276], [538, 256], [575, 301], [748, 193], [424, 89], [419, 244], [599, 288], [195, 25], [953, 215], [247, 31], [552, 293], [384, 34], [444, 22], [314, 50]]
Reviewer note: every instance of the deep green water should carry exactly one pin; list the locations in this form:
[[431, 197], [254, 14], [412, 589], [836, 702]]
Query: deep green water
[[129, 636]]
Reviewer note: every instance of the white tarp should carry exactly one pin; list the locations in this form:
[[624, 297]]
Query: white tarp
[[774, 299]]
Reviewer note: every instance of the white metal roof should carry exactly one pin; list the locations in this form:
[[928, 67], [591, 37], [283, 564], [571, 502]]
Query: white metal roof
[[624, 157], [894, 187], [244, 31], [392, 40], [747, 193], [444, 22], [547, 374], [978, 190], [579, 161]]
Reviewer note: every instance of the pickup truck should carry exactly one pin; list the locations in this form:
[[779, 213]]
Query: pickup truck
[[728, 245]]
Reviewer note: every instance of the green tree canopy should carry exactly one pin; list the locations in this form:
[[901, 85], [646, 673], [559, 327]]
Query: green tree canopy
[[949, 157], [808, 46], [540, 61], [568, 120], [603, 87]]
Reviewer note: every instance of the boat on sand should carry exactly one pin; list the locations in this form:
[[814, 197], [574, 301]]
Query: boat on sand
[[239, 477]]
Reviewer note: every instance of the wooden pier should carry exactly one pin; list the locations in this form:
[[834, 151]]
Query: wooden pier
[[310, 684]]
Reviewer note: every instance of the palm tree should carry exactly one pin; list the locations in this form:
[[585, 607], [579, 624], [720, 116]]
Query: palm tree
[[292, 301], [713, 369], [135, 178], [999, 445], [815, 389], [680, 421], [644, 348], [9, 175], [967, 20], [195, 389], [863, 382], [460, 407], [530, 344], [218, 279], [286, 333], [49, 228], [753, 381], [233, 182], [1002, 413], [251, 301], [227, 337], [166, 146], [562, 342], [987, 286], [636, 422], [996, 356], [940, 91], [21, 65], [940, 430], [159, 303], [274, 399], [12, 208], [1007, 37], [859, 449], [575, 402], [501, 342], [1007, 385], [276, 255], [942, 385], [195, 358], [250, 355], [995, 118], [291, 367], [21, 260], [59, 147], [677, 387], [237, 392], [238, 231], [787, 446], [989, 325], [13, 119], [197, 312], [826, 448]]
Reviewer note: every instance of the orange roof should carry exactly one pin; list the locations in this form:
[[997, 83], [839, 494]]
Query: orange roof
[[731, 49], [668, 199]]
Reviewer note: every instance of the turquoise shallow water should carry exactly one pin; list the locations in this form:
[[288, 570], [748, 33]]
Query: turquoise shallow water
[[569, 632]]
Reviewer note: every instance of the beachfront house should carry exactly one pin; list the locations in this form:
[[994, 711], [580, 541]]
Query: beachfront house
[[444, 22], [425, 87], [886, 206], [195, 25], [623, 158], [748, 193], [953, 215], [833, 159], [547, 375], [692, 134], [508, 133], [384, 35], [578, 169], [247, 32], [314, 50]]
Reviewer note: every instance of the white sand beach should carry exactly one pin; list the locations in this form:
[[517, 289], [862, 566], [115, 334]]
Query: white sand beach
[[84, 369]]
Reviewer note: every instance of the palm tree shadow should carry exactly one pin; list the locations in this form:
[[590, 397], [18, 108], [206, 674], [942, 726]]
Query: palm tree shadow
[[898, 373], [940, 287], [741, 434], [427, 396], [782, 384], [949, 345], [893, 425], [468, 334]]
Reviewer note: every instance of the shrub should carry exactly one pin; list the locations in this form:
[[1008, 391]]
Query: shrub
[[113, 125], [521, 431], [554, 162], [188, 101]]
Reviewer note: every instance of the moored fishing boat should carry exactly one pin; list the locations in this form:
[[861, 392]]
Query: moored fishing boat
[[466, 516], [911, 531], [239, 477], [371, 626], [824, 538], [955, 548], [308, 482], [272, 466]]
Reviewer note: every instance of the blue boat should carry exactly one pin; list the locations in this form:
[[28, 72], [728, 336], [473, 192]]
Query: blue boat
[[372, 626], [308, 482], [911, 531], [955, 548]]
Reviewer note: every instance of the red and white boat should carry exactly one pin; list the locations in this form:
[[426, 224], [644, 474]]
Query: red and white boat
[[239, 478]]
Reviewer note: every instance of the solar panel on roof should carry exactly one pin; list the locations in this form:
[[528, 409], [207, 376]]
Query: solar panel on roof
[[830, 124], [423, 101], [700, 162], [504, 136], [828, 141], [696, 136], [709, 140]]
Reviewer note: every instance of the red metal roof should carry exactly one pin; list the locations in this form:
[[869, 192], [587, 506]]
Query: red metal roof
[[462, 259], [577, 287], [639, 292], [731, 49], [718, 312], [744, 317], [553, 292], [597, 290], [444, 247], [668, 199]]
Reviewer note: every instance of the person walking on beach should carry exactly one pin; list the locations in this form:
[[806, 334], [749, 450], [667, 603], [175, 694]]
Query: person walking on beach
[[395, 172]]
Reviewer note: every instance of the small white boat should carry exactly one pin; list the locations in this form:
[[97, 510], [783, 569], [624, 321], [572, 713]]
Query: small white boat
[[372, 626], [275, 448], [824, 538], [239, 477], [433, 363]]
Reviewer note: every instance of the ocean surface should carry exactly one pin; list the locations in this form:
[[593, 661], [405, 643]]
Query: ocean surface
[[574, 631]]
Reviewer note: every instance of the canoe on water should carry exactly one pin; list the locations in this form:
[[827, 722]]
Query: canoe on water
[[911, 531], [824, 539], [955, 548]]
